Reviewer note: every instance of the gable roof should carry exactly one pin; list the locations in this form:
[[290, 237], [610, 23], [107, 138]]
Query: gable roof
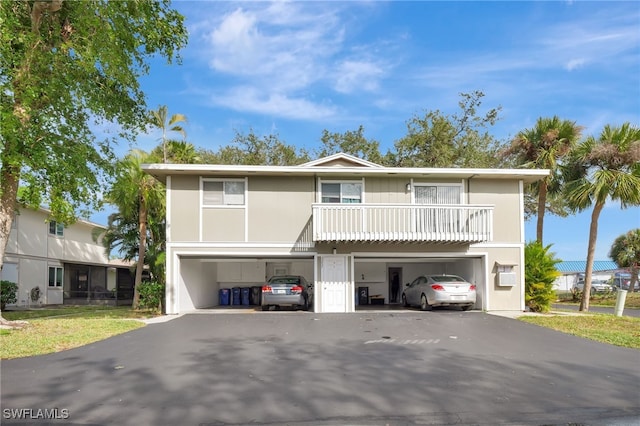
[[580, 266], [340, 160]]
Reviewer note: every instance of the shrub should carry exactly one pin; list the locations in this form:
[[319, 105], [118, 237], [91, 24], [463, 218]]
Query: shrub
[[8, 293], [151, 295], [539, 275]]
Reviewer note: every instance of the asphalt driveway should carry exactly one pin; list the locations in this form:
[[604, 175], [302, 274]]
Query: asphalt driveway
[[301, 368]]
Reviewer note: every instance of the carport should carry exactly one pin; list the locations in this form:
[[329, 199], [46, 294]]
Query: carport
[[200, 278], [373, 274], [367, 277]]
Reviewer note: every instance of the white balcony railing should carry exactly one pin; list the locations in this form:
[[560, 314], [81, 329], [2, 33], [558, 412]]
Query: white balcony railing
[[402, 222]]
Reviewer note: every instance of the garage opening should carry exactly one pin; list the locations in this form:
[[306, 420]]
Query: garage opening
[[231, 283], [379, 282]]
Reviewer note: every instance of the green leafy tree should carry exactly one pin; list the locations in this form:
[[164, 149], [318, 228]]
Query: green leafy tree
[[139, 197], [67, 67], [458, 140], [251, 149], [543, 147], [625, 251], [350, 142], [159, 118], [601, 169], [539, 275]]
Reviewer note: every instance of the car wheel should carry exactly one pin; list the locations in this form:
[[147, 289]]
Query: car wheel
[[404, 300], [265, 307], [466, 307], [424, 304]]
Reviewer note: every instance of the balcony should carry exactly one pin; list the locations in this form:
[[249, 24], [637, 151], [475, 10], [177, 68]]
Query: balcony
[[402, 223]]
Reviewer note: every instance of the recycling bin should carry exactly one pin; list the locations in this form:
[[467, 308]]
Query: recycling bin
[[223, 295], [245, 294], [363, 295], [235, 296]]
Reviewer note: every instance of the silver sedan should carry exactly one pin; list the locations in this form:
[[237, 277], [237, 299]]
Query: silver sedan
[[287, 290], [428, 291]]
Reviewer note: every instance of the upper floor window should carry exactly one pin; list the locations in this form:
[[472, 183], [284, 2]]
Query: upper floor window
[[223, 193], [437, 194], [342, 192], [56, 228]]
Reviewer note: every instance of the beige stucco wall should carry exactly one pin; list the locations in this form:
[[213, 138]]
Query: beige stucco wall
[[386, 191], [500, 297], [279, 207], [223, 224], [504, 195], [184, 216]]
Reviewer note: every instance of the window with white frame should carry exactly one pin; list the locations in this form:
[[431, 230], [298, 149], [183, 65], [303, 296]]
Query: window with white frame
[[55, 276], [341, 192], [56, 228], [437, 194], [223, 192]]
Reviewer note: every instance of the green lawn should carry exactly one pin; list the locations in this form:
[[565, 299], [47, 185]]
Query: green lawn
[[58, 329], [607, 328]]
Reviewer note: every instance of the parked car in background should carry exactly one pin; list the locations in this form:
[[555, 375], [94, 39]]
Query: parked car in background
[[287, 290], [428, 291], [622, 281], [597, 286]]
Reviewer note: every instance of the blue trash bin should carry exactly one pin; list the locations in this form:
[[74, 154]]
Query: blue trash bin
[[235, 292], [224, 296], [246, 295]]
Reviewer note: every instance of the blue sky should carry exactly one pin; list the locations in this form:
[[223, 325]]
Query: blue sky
[[297, 68]]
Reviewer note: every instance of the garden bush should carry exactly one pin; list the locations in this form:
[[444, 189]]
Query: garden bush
[[539, 275], [151, 295], [8, 293]]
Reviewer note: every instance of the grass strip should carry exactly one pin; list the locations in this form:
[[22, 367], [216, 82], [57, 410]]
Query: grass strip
[[619, 331], [48, 335]]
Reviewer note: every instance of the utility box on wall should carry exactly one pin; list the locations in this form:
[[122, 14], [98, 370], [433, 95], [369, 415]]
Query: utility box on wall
[[506, 275]]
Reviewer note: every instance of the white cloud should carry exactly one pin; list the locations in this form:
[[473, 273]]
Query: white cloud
[[249, 99], [574, 64], [352, 76]]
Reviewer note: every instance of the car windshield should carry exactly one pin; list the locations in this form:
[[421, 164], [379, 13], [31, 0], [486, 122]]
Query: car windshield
[[447, 278], [288, 280]]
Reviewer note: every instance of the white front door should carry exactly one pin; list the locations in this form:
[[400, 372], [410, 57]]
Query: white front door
[[334, 283]]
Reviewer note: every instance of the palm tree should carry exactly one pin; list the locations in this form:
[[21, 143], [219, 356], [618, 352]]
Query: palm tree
[[544, 146], [625, 251], [600, 169], [140, 199], [177, 152], [158, 118]]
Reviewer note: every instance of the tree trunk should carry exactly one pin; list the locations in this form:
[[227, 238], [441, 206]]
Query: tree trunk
[[9, 178], [593, 236], [542, 203], [142, 249], [634, 277]]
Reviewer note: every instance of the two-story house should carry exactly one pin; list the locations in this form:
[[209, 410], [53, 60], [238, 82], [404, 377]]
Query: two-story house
[[55, 264], [343, 223]]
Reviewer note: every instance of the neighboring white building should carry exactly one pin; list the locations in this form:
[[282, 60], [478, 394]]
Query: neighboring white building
[[573, 270], [53, 264]]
